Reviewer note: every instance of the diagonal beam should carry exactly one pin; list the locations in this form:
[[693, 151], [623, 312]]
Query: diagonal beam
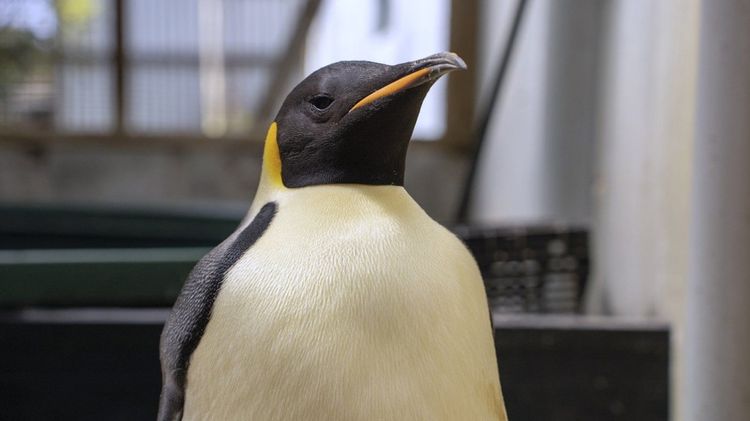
[[287, 62]]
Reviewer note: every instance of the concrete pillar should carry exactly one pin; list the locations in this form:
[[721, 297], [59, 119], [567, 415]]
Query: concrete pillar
[[717, 342], [643, 180], [643, 171]]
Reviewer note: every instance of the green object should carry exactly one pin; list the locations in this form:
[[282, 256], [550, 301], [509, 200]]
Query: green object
[[95, 277], [89, 227], [76, 255]]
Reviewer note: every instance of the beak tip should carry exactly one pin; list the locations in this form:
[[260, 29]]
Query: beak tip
[[442, 63], [426, 70], [456, 60]]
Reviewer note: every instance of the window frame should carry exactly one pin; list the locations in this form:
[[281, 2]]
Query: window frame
[[460, 109]]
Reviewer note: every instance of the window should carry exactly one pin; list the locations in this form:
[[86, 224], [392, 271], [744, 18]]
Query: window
[[194, 68], [27, 36]]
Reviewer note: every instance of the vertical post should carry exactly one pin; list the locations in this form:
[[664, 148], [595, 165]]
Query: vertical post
[[212, 69], [717, 336], [569, 118], [120, 67], [462, 85]]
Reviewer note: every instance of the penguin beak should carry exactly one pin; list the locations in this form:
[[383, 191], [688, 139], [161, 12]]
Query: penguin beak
[[415, 73]]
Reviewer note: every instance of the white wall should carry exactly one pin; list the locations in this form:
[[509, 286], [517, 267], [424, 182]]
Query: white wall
[[509, 184], [537, 162], [596, 127]]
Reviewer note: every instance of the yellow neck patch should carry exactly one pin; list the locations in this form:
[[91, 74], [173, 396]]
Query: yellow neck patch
[[272, 158]]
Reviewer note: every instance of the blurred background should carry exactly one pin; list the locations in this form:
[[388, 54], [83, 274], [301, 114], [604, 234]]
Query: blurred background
[[594, 158]]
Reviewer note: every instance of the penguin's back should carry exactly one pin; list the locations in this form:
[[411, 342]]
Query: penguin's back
[[353, 305]]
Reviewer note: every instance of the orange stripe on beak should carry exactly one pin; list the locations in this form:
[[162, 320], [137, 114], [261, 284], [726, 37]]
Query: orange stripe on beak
[[392, 88]]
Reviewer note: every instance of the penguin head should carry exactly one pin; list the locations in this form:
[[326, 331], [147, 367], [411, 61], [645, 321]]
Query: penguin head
[[351, 122]]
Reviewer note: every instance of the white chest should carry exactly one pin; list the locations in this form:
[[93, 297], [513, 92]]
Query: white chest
[[351, 306]]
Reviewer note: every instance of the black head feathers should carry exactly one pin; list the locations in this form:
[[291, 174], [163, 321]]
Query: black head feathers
[[351, 121]]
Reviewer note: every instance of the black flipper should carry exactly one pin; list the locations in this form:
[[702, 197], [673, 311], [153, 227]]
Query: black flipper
[[192, 310]]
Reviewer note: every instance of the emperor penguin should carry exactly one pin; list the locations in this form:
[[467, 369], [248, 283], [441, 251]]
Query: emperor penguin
[[338, 297]]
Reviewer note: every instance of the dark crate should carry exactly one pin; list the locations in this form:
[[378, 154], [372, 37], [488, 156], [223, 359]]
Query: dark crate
[[531, 269]]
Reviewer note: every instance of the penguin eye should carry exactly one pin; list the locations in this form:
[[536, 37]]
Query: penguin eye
[[321, 102]]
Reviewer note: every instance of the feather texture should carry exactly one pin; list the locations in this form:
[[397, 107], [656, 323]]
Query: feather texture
[[353, 305]]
